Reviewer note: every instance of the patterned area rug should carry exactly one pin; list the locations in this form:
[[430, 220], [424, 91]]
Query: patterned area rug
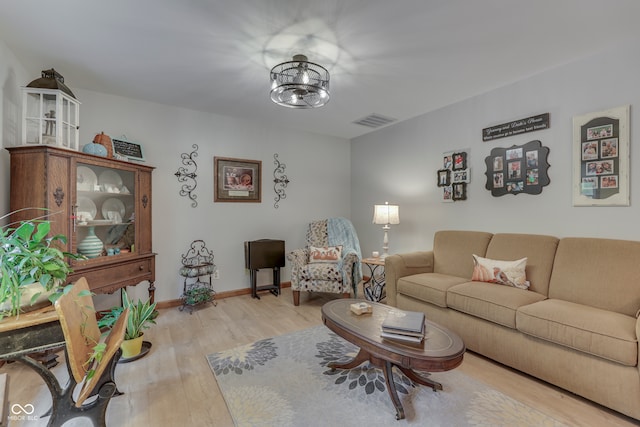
[[284, 381]]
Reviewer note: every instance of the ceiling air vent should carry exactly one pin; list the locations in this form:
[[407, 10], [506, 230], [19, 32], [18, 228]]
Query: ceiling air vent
[[374, 121]]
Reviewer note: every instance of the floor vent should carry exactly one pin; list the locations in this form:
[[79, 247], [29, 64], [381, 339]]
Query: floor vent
[[374, 121]]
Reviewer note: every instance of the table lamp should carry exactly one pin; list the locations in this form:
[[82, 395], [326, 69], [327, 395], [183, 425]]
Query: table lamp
[[386, 215]]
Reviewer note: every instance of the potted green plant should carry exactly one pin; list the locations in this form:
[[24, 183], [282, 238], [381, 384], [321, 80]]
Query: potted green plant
[[142, 315], [32, 265]]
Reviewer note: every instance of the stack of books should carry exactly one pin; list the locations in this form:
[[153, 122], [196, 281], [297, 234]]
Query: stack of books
[[404, 326]]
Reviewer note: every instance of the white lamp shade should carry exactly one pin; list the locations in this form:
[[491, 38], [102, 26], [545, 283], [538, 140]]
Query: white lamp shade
[[386, 214]]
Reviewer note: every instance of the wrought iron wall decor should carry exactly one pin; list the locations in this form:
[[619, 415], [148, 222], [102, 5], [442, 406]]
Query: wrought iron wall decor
[[517, 169], [280, 181], [185, 174]]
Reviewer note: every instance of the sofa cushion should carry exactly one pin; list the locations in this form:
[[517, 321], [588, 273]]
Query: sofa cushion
[[591, 330], [487, 301], [452, 251], [601, 273], [540, 251], [428, 287], [509, 273]]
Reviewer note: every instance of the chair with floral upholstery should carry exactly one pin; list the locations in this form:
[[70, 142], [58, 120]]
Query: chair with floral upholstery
[[330, 262]]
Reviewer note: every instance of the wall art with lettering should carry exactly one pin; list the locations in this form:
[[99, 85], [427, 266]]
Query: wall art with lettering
[[517, 127], [517, 169]]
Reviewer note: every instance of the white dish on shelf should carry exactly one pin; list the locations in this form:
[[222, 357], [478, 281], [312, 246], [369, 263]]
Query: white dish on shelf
[[100, 222], [112, 205], [87, 206], [110, 179], [86, 179]]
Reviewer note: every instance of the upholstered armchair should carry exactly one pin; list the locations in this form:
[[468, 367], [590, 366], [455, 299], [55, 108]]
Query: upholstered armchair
[[330, 262]]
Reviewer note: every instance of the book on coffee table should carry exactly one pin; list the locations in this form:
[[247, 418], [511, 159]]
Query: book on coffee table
[[404, 332], [401, 322], [402, 338]]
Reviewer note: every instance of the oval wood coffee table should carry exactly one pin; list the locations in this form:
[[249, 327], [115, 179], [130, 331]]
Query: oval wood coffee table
[[441, 350]]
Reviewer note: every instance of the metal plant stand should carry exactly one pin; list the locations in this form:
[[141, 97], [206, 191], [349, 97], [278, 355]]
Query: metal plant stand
[[197, 263]]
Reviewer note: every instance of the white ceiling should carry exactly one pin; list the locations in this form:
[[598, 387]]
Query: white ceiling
[[397, 58]]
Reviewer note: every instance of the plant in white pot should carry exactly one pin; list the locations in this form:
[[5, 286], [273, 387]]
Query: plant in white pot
[[32, 266], [142, 315]]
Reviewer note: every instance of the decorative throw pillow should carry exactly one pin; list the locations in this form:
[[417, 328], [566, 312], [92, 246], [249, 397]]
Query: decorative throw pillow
[[510, 273], [326, 254]]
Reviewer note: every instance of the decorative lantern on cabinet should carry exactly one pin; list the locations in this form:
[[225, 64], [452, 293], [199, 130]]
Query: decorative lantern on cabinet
[[50, 112]]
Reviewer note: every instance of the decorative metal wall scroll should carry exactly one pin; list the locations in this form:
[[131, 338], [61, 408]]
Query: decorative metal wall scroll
[[454, 176], [517, 169], [280, 181], [185, 174]]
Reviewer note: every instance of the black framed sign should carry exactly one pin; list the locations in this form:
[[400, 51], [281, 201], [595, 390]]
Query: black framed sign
[[516, 127], [128, 149], [517, 169]]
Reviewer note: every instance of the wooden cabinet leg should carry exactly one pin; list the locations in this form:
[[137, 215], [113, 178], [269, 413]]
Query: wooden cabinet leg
[[152, 292]]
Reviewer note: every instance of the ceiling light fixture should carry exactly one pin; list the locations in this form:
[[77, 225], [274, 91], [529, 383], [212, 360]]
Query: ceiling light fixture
[[299, 84]]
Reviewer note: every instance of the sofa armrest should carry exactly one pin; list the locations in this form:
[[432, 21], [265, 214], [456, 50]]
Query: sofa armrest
[[401, 265], [638, 337], [298, 257]]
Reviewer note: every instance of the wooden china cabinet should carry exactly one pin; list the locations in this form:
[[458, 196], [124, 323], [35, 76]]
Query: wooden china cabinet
[[102, 205]]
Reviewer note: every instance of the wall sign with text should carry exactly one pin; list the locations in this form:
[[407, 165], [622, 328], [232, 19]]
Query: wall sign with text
[[516, 127], [129, 150]]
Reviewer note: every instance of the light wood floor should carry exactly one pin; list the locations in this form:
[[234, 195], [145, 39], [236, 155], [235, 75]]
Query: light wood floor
[[174, 386]]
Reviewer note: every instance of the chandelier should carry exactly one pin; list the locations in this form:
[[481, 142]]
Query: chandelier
[[299, 84]]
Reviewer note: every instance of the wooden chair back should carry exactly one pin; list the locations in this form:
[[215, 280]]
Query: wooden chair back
[[80, 328]]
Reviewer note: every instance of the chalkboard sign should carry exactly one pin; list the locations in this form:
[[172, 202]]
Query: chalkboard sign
[[130, 150]]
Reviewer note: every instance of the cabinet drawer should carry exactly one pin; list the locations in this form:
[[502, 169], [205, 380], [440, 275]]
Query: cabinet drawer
[[111, 277]]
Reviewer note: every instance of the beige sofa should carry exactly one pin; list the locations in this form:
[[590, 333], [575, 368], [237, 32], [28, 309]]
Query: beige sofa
[[576, 326]]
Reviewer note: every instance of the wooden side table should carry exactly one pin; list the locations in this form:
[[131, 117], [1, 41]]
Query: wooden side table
[[374, 287]]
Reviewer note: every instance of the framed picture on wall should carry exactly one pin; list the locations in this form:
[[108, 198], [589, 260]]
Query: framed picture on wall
[[459, 191], [460, 176], [601, 158], [459, 161], [447, 194], [237, 180], [444, 177], [517, 169]]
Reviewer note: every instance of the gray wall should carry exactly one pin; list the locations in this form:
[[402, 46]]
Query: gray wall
[[332, 177], [399, 163], [317, 166]]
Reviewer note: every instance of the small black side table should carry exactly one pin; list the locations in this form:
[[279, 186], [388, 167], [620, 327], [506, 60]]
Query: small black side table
[[264, 253]]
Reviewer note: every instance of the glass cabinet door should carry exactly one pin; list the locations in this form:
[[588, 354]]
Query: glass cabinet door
[[104, 223]]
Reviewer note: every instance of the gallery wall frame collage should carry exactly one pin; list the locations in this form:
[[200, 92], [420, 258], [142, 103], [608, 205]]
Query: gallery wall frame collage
[[600, 160], [454, 176], [517, 169]]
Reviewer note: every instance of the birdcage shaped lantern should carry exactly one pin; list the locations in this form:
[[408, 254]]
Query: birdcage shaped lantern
[[50, 112]]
